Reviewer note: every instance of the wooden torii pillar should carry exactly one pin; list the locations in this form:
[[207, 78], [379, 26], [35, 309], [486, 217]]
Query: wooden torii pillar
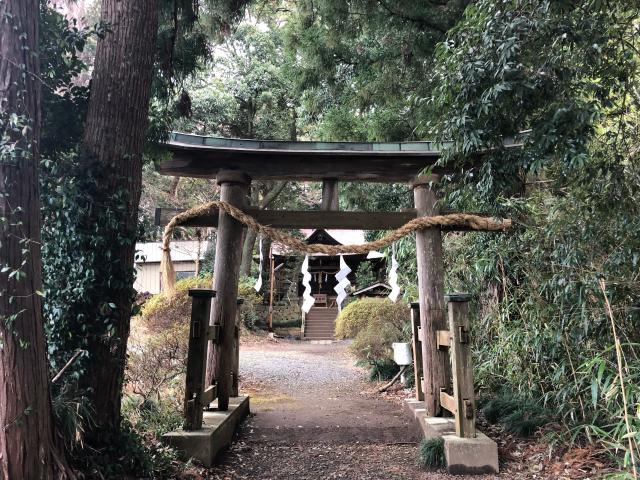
[[234, 188], [435, 362]]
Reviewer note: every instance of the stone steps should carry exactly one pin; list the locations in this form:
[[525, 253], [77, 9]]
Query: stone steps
[[320, 323]]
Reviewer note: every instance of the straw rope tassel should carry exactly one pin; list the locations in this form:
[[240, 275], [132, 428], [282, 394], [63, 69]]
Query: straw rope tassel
[[474, 222], [167, 272]]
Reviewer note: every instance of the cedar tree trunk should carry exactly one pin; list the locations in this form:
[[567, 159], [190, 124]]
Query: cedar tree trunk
[[27, 447], [114, 137]]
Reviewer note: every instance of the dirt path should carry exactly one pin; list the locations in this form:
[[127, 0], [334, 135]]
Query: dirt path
[[312, 418]]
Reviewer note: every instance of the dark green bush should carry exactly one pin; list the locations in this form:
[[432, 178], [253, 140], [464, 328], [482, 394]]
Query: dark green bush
[[431, 455], [516, 414], [381, 370], [499, 407]]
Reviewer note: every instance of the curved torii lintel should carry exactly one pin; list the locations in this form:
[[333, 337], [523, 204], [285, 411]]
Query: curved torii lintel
[[201, 156]]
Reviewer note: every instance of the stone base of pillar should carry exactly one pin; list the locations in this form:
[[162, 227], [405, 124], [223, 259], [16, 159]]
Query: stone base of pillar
[[464, 456], [216, 434]]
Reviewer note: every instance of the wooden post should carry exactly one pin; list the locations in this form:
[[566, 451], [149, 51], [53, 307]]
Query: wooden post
[[417, 350], [461, 365], [226, 272], [329, 194], [271, 287], [235, 369], [196, 356], [435, 361]]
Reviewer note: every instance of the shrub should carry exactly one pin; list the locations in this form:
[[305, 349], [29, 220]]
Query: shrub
[[375, 324], [166, 308], [157, 358], [381, 369], [516, 414], [292, 323], [249, 312], [360, 314], [431, 455], [159, 340], [153, 418], [73, 414]]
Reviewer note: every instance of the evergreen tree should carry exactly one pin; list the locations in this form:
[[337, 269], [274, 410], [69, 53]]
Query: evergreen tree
[[27, 445], [361, 65]]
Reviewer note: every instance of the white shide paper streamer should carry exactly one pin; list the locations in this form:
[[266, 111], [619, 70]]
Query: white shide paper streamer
[[343, 282], [308, 299], [393, 277], [258, 284]]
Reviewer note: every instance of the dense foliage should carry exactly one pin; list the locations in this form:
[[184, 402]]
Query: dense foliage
[[81, 277], [561, 79], [374, 324], [566, 73], [359, 65]]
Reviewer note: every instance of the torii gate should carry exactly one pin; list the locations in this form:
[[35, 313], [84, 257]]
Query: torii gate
[[235, 163]]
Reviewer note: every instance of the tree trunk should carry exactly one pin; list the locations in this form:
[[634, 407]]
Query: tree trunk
[[175, 185], [247, 253], [114, 137], [250, 237], [27, 447], [266, 249]]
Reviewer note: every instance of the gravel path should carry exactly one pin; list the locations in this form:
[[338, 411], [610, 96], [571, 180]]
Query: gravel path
[[297, 366], [314, 417]]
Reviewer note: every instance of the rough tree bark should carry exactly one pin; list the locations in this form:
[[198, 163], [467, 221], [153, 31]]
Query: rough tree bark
[[173, 188], [114, 136], [250, 237], [27, 447]]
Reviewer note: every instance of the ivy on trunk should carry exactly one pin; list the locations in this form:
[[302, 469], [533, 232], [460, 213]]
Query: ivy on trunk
[[114, 138], [27, 446]]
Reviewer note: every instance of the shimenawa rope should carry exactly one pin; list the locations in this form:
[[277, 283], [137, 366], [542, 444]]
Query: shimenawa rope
[[473, 222]]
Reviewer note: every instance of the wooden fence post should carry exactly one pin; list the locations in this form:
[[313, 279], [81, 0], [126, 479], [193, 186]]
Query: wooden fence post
[[417, 350], [235, 368], [461, 364], [196, 356]]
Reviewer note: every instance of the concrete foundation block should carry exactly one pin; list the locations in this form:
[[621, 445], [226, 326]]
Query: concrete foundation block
[[464, 456], [470, 456], [216, 434]]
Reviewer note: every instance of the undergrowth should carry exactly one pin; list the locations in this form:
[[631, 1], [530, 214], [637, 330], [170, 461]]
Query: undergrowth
[[126, 454], [431, 454], [291, 323], [516, 414]]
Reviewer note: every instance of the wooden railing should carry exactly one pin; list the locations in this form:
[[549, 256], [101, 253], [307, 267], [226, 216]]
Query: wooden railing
[[197, 397], [457, 341]]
